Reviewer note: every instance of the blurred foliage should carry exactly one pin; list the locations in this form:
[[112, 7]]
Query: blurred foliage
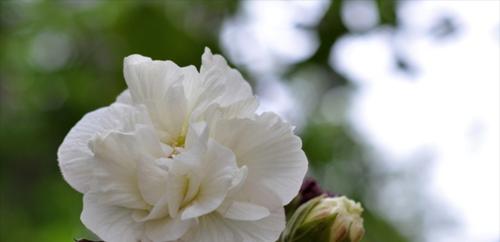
[[61, 59]]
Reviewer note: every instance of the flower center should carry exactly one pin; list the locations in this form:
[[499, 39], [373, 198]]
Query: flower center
[[181, 139]]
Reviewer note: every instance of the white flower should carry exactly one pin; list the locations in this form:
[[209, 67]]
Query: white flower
[[182, 156]]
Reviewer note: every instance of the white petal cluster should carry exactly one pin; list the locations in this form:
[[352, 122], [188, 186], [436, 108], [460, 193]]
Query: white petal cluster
[[182, 156]]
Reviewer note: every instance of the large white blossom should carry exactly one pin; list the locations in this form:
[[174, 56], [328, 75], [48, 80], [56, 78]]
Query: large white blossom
[[182, 156]]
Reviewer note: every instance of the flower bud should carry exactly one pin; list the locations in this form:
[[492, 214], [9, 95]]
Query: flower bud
[[348, 223], [326, 219]]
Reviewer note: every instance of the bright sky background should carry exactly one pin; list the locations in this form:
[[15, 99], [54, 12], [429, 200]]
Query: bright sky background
[[450, 108]]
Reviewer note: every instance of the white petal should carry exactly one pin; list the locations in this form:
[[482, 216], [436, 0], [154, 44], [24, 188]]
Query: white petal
[[217, 170], [197, 138], [215, 70], [167, 229], [152, 181], [211, 228], [266, 229], [159, 210], [244, 108], [214, 227], [159, 86], [270, 150], [203, 96], [170, 114], [238, 180], [125, 98], [243, 211], [249, 196], [176, 187], [148, 79], [214, 112], [193, 85], [110, 223], [209, 197], [74, 156], [115, 173]]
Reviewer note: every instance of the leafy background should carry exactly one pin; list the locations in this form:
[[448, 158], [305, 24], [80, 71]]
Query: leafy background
[[62, 59]]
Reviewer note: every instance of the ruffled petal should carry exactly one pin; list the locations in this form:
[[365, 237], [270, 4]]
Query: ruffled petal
[[159, 86], [270, 150], [117, 157], [214, 227], [214, 112], [243, 211], [219, 170], [110, 223], [167, 229], [75, 158], [170, 115], [159, 210], [215, 71], [151, 181], [249, 202], [197, 138], [125, 97], [148, 80]]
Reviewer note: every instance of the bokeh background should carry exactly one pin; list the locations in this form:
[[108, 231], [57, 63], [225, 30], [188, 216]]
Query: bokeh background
[[397, 102]]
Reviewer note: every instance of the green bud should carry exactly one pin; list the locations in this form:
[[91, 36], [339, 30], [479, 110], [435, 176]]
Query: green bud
[[326, 219]]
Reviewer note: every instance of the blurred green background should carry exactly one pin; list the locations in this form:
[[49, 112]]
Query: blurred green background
[[62, 59]]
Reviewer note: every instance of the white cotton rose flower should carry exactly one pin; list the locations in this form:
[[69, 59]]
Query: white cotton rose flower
[[182, 156]]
